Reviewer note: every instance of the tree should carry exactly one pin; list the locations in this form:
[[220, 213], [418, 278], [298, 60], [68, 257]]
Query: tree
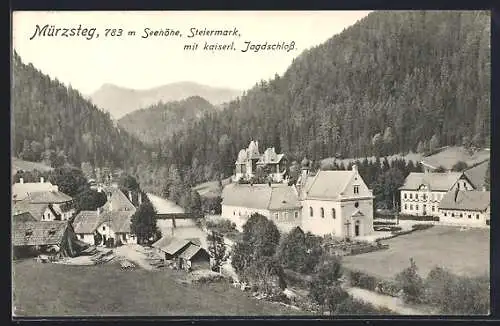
[[459, 166], [70, 181], [334, 297], [411, 283], [217, 249], [421, 147], [328, 276], [143, 223], [292, 251], [128, 183], [89, 200], [434, 142]]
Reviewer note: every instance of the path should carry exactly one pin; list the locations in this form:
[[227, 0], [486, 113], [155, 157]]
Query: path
[[131, 253], [381, 300]]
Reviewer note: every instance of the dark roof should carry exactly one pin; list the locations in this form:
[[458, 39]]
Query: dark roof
[[434, 180], [118, 202], [476, 174], [171, 246], [260, 196], [191, 250], [38, 233], [25, 206], [466, 200], [23, 217], [86, 222]]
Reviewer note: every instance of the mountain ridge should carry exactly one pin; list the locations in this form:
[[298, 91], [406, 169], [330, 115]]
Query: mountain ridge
[[120, 101]]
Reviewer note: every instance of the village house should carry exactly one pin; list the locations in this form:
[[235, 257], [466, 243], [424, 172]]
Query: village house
[[250, 159], [112, 221], [187, 254], [278, 202], [422, 192], [337, 203], [465, 208], [21, 190], [43, 201], [32, 237]]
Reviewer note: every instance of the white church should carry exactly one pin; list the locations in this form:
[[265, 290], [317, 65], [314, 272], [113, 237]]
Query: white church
[[336, 203]]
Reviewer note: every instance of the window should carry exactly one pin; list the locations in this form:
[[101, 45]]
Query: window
[[406, 206], [275, 216], [322, 210], [81, 236], [461, 215], [416, 196], [296, 214], [405, 195], [356, 204], [234, 213], [356, 189], [286, 215], [416, 207], [445, 214], [433, 208], [103, 228], [425, 196], [411, 196], [411, 207], [124, 237], [310, 211], [452, 214], [470, 216], [333, 213], [477, 216]]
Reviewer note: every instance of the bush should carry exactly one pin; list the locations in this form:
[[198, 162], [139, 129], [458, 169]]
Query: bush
[[351, 306], [362, 280], [418, 218], [383, 223], [454, 294], [297, 279], [411, 283]]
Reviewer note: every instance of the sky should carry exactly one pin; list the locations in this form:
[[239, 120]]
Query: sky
[[133, 61]]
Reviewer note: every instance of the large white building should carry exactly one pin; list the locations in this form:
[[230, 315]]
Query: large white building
[[422, 192], [336, 203]]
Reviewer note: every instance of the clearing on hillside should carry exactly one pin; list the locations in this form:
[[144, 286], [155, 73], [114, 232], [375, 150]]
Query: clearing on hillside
[[104, 290]]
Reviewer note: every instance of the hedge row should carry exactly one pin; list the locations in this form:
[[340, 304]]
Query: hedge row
[[362, 280]]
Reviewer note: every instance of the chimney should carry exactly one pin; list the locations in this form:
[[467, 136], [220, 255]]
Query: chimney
[[41, 179], [99, 211], [456, 194], [139, 198], [130, 195], [355, 167], [21, 180]]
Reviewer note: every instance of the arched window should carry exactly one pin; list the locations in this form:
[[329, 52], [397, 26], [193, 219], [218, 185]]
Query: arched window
[[322, 212], [310, 211], [333, 213]]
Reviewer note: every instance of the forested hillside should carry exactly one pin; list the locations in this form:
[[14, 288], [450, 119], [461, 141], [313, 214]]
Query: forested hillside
[[382, 86], [161, 120], [55, 124]]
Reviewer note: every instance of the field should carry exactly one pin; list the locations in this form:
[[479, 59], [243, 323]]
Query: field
[[105, 290], [210, 189], [462, 252], [18, 164]]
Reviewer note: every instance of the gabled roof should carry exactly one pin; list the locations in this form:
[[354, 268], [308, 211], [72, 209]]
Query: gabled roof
[[38, 233], [357, 213], [260, 196], [118, 202], [24, 217], [49, 197], [172, 246], [328, 184], [25, 206], [86, 222], [435, 181], [119, 221], [191, 250], [477, 174], [466, 200]]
